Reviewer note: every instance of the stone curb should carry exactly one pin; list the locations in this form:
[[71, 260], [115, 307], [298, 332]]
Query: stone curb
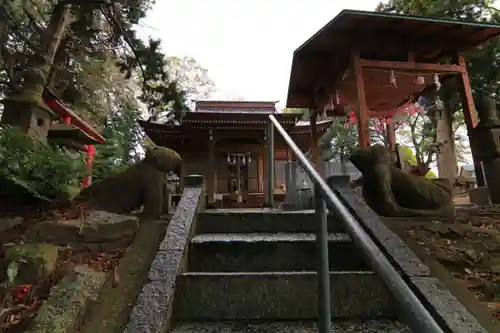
[[443, 304], [153, 308], [392, 244]]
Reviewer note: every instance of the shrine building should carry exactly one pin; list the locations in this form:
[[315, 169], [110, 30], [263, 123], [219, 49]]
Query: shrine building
[[373, 64], [226, 142]]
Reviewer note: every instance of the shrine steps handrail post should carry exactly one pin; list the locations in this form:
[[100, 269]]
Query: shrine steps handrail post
[[416, 315]]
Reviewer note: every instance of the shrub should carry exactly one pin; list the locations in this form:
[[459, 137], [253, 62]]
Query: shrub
[[46, 172]]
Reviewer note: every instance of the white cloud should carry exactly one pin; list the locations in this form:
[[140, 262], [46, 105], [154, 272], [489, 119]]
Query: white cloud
[[246, 46]]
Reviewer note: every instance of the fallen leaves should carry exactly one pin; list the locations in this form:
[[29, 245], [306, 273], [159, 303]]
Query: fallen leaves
[[19, 303], [468, 247]]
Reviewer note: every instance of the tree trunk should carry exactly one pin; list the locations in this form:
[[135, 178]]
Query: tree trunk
[[446, 156], [41, 63], [27, 109]]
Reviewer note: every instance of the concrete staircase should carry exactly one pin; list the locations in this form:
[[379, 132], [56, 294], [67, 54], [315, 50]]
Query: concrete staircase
[[254, 271]]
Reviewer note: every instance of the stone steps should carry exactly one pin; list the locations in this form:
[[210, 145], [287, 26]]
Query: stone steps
[[260, 221], [255, 271], [269, 252], [368, 326], [277, 296]]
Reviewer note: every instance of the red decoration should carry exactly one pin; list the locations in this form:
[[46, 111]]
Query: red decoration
[[384, 118], [90, 153]]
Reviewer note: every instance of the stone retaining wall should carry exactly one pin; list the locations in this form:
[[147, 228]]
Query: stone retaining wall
[[428, 282], [152, 311]]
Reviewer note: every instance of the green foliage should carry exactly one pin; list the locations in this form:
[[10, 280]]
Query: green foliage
[[339, 141], [123, 141], [100, 42], [46, 172], [305, 112]]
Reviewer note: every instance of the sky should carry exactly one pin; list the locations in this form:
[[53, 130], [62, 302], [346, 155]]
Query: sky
[[246, 46]]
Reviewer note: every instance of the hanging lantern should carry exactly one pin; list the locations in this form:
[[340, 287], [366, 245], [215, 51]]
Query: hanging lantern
[[392, 79], [421, 101], [436, 81], [439, 103]]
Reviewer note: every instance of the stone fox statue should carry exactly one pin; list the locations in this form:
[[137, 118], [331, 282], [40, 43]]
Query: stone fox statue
[[391, 192], [138, 185]]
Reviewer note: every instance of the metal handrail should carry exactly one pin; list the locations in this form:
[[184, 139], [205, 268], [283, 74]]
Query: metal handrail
[[416, 315]]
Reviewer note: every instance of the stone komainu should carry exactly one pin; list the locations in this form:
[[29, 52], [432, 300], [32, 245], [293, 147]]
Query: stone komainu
[[391, 192], [139, 185]]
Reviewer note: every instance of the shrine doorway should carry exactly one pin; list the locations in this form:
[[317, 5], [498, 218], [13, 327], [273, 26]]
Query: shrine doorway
[[238, 174]]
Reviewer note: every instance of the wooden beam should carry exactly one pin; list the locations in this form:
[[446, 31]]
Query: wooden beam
[[465, 91], [416, 66], [470, 113], [362, 108]]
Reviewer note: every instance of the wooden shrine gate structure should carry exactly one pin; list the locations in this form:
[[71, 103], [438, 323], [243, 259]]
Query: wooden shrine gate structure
[[378, 64]]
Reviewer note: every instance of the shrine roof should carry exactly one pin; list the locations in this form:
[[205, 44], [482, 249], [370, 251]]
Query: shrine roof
[[324, 58], [230, 106], [196, 124], [304, 126], [240, 118], [79, 124], [70, 132]]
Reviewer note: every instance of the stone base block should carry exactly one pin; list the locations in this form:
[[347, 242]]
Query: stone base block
[[480, 196]]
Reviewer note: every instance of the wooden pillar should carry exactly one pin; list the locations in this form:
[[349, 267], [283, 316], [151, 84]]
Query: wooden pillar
[[265, 171], [361, 106], [181, 177], [238, 174], [391, 136], [260, 181], [470, 114], [315, 155], [211, 170]]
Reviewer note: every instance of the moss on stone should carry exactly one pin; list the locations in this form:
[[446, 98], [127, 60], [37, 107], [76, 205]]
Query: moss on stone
[[162, 158], [36, 261], [111, 314], [27, 97], [69, 300]]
